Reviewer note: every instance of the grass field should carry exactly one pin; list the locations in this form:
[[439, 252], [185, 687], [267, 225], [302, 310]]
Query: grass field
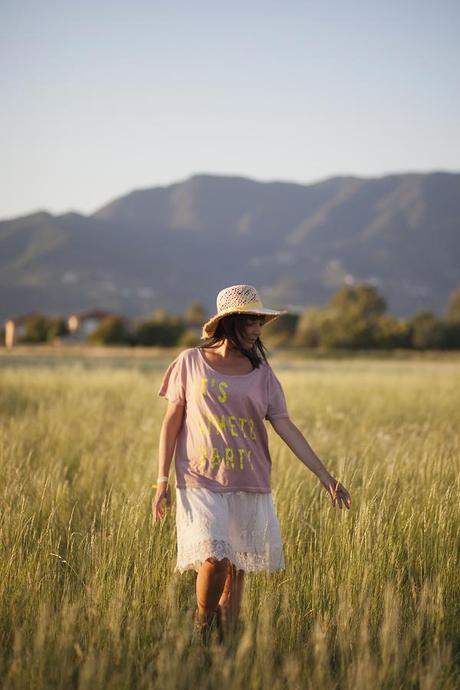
[[369, 598]]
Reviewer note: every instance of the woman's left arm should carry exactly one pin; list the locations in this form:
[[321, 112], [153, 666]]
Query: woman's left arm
[[299, 445]]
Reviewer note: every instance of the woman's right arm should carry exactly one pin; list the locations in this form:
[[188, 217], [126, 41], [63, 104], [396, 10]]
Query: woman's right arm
[[170, 428]]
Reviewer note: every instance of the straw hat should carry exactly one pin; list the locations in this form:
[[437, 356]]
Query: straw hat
[[238, 299]]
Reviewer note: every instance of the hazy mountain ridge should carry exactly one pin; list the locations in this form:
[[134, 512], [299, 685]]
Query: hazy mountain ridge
[[168, 246]]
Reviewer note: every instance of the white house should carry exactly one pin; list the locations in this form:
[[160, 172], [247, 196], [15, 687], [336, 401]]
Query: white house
[[82, 324], [16, 328]]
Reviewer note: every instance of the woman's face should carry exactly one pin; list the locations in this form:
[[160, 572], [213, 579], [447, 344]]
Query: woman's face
[[251, 331]]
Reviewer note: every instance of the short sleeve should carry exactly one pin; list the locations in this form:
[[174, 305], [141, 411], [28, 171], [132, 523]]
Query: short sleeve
[[277, 407], [173, 385]]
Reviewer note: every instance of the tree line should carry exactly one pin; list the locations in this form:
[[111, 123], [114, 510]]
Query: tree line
[[355, 318]]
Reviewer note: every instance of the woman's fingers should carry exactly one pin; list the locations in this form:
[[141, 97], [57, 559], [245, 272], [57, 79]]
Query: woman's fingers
[[344, 496], [339, 495], [333, 492], [157, 510], [333, 496]]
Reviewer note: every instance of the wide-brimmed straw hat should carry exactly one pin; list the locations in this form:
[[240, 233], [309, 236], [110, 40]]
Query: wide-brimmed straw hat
[[238, 299]]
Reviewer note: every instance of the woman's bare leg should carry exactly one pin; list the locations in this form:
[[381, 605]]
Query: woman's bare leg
[[231, 598], [209, 586]]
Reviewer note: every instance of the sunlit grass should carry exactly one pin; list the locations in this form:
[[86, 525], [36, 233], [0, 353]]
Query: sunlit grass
[[369, 597]]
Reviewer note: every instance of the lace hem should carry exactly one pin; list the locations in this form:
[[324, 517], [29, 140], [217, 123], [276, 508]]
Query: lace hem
[[191, 556]]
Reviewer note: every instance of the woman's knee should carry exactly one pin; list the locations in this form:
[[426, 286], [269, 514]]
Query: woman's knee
[[220, 565]]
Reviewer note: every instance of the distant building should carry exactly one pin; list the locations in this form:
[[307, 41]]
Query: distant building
[[16, 327], [80, 325], [84, 323]]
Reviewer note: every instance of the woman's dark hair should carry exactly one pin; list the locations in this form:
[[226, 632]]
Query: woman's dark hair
[[232, 328]]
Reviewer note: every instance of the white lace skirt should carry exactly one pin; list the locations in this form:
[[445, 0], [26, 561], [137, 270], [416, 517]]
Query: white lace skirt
[[239, 525]]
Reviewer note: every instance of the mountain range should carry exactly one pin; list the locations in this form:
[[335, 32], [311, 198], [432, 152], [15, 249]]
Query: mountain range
[[298, 244]]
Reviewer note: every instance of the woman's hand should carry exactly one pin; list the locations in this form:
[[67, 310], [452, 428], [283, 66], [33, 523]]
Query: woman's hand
[[163, 492], [337, 492]]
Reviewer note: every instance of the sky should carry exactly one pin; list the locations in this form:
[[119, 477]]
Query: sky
[[100, 98]]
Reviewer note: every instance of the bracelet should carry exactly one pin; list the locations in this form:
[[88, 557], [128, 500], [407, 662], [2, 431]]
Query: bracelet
[[163, 479]]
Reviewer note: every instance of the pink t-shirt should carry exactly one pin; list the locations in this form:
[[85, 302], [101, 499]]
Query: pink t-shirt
[[223, 443]]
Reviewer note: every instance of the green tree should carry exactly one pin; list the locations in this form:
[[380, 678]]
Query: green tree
[[166, 333], [352, 317], [427, 331], [111, 331], [57, 328], [188, 338], [346, 331], [195, 314], [280, 331], [36, 329], [391, 332], [452, 312], [450, 334], [359, 300], [160, 315], [308, 327], [286, 323]]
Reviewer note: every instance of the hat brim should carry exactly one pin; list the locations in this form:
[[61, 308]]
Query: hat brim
[[210, 326]]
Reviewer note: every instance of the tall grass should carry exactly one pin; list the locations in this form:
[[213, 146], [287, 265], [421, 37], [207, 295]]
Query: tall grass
[[369, 598]]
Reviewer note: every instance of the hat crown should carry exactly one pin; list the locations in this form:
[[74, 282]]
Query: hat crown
[[237, 296], [239, 299]]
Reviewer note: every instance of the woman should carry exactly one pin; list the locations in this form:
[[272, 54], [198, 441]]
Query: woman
[[219, 394]]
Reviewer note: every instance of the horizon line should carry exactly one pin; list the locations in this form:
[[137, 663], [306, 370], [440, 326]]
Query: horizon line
[[322, 180]]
